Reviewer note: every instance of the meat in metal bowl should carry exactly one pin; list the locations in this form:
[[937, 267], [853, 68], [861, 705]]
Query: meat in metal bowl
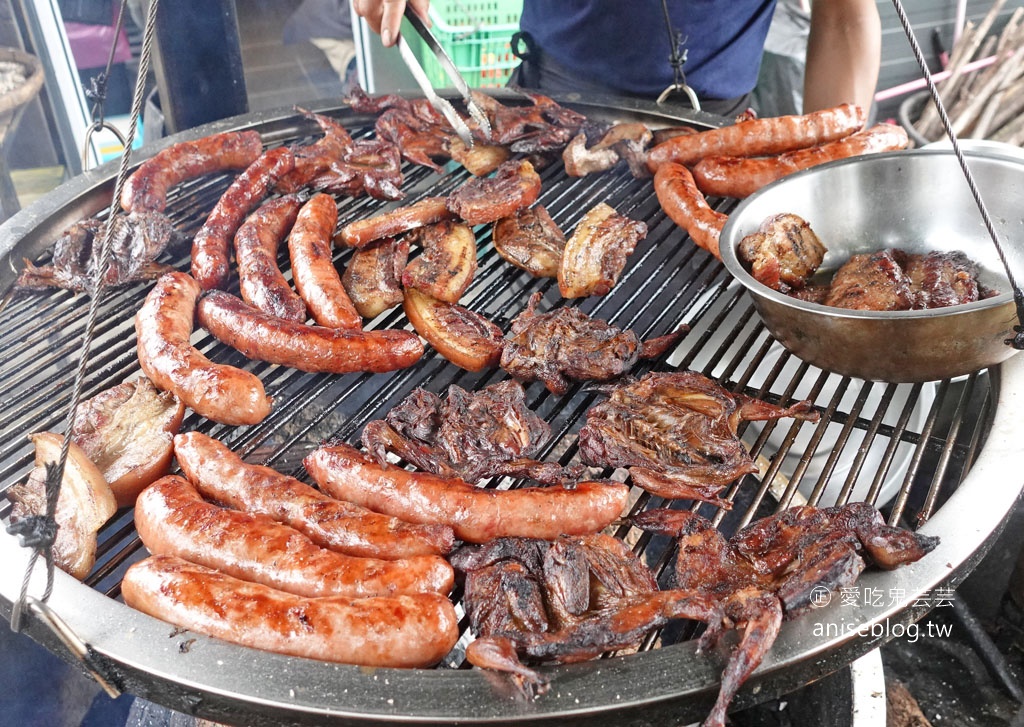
[[915, 200]]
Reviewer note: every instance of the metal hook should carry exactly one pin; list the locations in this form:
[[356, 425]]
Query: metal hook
[[690, 94], [73, 642], [94, 127]]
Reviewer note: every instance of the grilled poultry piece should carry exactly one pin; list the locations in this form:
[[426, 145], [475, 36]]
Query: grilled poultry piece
[[783, 254], [767, 571], [137, 238], [677, 432], [564, 601], [470, 436], [542, 127], [567, 345]]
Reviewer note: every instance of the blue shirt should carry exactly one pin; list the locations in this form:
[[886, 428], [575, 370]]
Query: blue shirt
[[625, 44]]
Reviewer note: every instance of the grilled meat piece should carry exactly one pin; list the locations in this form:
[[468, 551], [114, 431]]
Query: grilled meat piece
[[940, 279], [137, 238], [128, 431], [514, 184], [373, 276], [530, 239], [447, 264], [596, 253], [767, 571], [783, 254], [566, 345], [470, 436], [677, 432], [872, 281], [461, 335], [84, 504], [893, 279]]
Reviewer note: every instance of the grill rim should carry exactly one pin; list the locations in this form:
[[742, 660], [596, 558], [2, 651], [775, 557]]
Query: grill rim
[[672, 681]]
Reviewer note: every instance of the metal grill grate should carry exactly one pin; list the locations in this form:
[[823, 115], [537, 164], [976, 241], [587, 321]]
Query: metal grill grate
[[904, 447]]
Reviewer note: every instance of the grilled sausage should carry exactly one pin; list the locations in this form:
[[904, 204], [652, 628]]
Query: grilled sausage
[[163, 326], [389, 224], [307, 348], [403, 631], [760, 137], [211, 245], [146, 189], [476, 514], [221, 475], [727, 176], [173, 519], [260, 280], [685, 205], [315, 276]]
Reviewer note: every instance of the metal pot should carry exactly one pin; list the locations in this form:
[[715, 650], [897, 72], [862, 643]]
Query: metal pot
[[916, 200]]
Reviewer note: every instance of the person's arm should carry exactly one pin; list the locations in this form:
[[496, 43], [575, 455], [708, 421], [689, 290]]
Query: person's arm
[[385, 16], [843, 54]]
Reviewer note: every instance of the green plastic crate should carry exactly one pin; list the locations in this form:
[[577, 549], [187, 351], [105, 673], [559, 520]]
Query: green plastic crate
[[477, 36]]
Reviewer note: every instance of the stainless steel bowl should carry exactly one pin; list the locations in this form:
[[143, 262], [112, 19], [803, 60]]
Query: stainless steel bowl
[[917, 200]]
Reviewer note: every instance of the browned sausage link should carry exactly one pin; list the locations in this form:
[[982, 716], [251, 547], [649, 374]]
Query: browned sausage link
[[401, 219], [146, 189], [404, 631], [475, 513], [221, 475], [686, 206], [307, 348], [316, 278], [163, 326], [211, 245], [260, 280], [173, 519], [726, 176], [758, 137]]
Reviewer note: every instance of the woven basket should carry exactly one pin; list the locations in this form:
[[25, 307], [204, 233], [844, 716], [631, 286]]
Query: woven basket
[[12, 101]]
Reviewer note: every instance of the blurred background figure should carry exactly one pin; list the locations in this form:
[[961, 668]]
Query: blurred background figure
[[327, 24]]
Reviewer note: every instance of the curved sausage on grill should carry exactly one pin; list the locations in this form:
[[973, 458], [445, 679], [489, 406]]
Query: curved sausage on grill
[[163, 326], [685, 205], [173, 519], [212, 244], [146, 189], [401, 631], [260, 280], [307, 348], [730, 176], [389, 224], [760, 137], [476, 514], [221, 475], [316, 278]]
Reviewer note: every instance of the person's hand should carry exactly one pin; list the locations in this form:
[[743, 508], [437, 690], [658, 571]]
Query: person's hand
[[385, 16]]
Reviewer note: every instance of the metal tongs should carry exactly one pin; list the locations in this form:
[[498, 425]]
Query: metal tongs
[[442, 105]]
